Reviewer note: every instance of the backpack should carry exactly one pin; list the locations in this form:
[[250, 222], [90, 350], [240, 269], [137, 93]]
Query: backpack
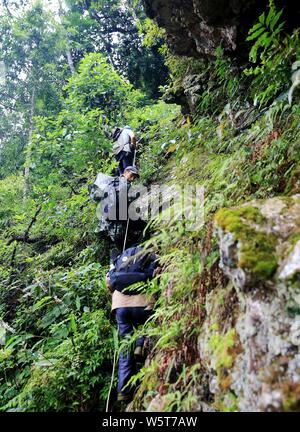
[[116, 134], [106, 191], [118, 147], [100, 188], [132, 266]]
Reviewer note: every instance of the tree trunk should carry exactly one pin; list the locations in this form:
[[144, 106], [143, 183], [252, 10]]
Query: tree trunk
[[70, 61], [69, 54], [29, 144]]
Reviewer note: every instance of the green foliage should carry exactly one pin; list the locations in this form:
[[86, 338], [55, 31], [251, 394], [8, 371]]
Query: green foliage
[[63, 373], [11, 192], [157, 135], [265, 33], [75, 142], [57, 333], [97, 85], [222, 82], [31, 49], [116, 29], [66, 358], [154, 35], [59, 341], [273, 55]]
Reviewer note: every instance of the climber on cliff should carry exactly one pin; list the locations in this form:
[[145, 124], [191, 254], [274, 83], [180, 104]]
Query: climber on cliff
[[124, 147], [132, 307], [115, 212]]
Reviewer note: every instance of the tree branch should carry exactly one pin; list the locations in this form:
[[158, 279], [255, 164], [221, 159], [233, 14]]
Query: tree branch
[[22, 238], [33, 221], [25, 237]]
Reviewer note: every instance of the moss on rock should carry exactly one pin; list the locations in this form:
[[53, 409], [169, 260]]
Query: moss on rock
[[256, 249], [291, 396], [233, 220], [224, 349]]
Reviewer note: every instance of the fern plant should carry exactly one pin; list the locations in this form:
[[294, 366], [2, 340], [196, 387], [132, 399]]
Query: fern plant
[[265, 33], [272, 55]]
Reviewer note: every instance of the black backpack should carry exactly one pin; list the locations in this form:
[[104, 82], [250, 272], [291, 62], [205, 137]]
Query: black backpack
[[132, 266]]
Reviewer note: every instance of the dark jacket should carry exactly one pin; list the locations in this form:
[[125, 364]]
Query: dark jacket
[[132, 266]]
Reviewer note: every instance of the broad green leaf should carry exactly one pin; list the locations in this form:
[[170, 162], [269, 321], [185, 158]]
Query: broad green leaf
[[256, 34], [73, 323], [41, 303], [275, 20], [270, 16], [78, 303], [262, 18], [255, 27], [279, 29]]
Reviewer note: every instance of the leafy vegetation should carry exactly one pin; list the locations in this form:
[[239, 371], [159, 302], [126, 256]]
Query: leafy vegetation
[[242, 142]]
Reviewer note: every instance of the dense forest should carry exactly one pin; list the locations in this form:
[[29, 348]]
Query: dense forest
[[213, 98]]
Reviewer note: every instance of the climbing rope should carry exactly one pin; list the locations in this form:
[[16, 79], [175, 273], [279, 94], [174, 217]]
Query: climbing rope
[[134, 157], [127, 226], [126, 234], [115, 338]]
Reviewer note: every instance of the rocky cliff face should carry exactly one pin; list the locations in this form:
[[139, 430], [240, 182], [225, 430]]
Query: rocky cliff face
[[197, 27], [251, 337], [248, 347]]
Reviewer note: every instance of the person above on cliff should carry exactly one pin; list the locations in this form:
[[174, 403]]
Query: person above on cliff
[[133, 308], [124, 147]]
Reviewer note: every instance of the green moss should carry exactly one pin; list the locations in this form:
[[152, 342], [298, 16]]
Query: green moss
[[292, 308], [257, 253], [224, 348], [257, 250], [227, 403], [291, 396], [214, 327], [220, 345], [232, 219], [221, 300]]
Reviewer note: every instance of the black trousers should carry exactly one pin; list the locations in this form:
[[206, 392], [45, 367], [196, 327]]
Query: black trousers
[[125, 159], [129, 318]]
